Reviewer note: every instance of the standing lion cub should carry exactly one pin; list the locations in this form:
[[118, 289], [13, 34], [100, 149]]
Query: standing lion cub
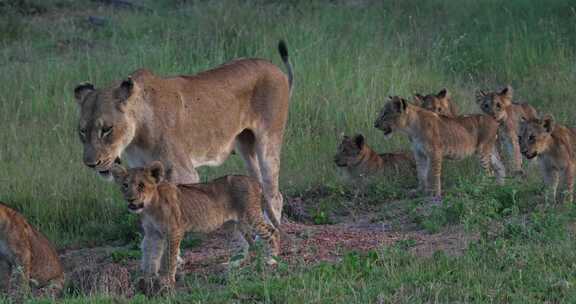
[[170, 210], [28, 253], [554, 145]]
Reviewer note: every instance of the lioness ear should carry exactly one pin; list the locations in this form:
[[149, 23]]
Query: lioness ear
[[156, 170], [443, 94], [82, 90], [507, 92], [548, 123], [125, 90], [118, 172], [359, 140]]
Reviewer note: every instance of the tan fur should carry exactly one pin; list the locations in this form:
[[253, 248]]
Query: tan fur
[[435, 137], [191, 121], [360, 162], [440, 103], [170, 210], [499, 105], [554, 145], [29, 254]]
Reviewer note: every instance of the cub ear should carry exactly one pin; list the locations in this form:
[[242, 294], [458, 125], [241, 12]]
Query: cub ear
[[359, 140], [118, 172], [419, 98], [480, 94], [82, 90], [507, 92], [156, 170], [125, 90], [443, 94], [400, 104], [548, 123]]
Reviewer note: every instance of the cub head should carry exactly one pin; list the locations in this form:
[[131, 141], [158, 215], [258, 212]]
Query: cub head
[[349, 151], [440, 103], [106, 125], [138, 185], [535, 135], [495, 103], [393, 116]]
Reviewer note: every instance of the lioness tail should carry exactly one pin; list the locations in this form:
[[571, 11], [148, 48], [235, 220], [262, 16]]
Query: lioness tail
[[283, 50]]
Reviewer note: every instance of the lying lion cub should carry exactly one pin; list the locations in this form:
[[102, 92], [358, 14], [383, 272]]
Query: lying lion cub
[[29, 254], [170, 210], [359, 160], [435, 137], [554, 145], [499, 105]]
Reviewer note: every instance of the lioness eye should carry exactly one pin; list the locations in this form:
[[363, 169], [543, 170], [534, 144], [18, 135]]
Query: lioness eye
[[105, 131]]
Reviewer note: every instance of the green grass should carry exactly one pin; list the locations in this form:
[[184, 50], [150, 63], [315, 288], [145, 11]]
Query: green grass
[[347, 58]]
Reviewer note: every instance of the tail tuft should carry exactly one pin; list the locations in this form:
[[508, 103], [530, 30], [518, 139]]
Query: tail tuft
[[283, 50]]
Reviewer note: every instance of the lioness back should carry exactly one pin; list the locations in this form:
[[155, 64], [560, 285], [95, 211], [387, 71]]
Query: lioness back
[[21, 245]]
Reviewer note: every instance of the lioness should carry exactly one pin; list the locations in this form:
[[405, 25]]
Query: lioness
[[434, 137], [499, 105], [170, 210], [554, 145], [28, 253], [440, 103], [191, 121], [359, 160]]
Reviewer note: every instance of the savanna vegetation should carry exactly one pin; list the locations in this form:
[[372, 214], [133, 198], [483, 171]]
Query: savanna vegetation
[[348, 56]]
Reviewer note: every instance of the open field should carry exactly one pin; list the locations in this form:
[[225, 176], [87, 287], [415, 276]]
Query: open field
[[347, 56]]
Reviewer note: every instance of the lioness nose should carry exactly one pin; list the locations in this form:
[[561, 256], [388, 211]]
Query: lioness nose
[[92, 164]]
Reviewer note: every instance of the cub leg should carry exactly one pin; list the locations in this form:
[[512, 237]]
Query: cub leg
[[172, 251], [422, 171], [569, 181], [435, 174], [238, 245], [152, 246], [21, 267], [551, 179], [497, 165], [269, 234], [516, 154]]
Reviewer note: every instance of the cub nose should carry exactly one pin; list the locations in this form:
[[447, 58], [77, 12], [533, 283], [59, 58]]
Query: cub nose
[[92, 164]]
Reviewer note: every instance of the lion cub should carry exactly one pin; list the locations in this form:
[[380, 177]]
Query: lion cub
[[440, 103], [170, 210], [359, 160], [499, 105], [28, 253], [435, 137], [554, 145]]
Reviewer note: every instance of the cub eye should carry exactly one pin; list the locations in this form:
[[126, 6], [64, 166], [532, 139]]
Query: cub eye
[[124, 186], [531, 138], [105, 131], [498, 106], [141, 187], [82, 133]]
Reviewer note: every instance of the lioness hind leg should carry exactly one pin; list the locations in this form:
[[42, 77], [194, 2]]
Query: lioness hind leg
[[246, 147]]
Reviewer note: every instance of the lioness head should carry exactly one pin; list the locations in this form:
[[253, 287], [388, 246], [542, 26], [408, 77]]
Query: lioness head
[[393, 116], [535, 135], [349, 151], [138, 185], [495, 103], [440, 103], [106, 126]]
